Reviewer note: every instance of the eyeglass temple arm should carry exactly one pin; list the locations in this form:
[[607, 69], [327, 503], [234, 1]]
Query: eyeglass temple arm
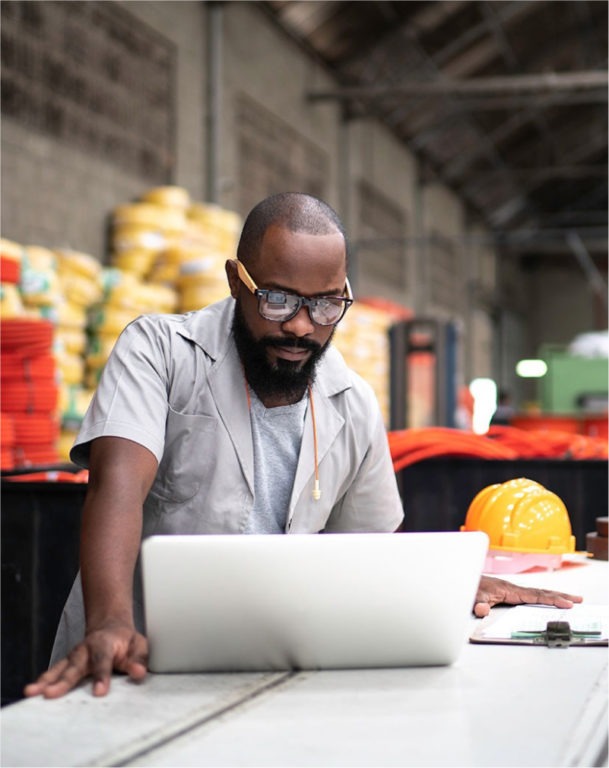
[[348, 291], [245, 277]]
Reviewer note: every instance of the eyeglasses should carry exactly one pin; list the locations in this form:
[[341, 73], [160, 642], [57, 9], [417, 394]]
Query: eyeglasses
[[280, 306]]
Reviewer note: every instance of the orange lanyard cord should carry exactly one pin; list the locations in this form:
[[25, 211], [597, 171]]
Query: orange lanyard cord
[[316, 488]]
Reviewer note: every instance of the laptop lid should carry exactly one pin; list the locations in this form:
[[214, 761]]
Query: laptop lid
[[329, 601]]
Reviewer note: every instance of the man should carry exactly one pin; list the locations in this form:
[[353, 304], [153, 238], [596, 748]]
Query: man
[[505, 410], [239, 418]]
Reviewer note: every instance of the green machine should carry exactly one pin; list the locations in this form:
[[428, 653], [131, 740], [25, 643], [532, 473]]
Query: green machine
[[573, 384]]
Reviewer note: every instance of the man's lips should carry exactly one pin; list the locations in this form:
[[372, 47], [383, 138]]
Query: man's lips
[[298, 350], [296, 354]]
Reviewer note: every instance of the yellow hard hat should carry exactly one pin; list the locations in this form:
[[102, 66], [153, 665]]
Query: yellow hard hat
[[521, 515]]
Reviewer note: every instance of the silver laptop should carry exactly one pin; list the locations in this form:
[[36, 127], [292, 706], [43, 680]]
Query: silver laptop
[[329, 601]]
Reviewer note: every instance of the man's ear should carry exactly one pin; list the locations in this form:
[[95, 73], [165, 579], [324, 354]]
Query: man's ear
[[232, 277]]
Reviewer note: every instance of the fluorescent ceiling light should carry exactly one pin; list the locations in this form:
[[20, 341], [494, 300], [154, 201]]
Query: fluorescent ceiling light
[[531, 369]]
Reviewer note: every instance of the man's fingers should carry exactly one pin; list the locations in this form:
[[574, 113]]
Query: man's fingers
[[562, 599], [544, 597], [102, 662], [58, 686], [101, 687], [481, 610], [68, 673], [493, 591], [60, 678], [136, 662], [49, 677], [534, 596]]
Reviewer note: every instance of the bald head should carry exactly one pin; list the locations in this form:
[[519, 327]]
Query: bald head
[[294, 211]]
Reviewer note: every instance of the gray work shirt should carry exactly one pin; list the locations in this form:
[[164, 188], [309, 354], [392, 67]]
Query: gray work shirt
[[174, 384]]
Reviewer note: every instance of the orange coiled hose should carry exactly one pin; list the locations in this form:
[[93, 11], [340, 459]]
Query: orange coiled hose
[[51, 476], [26, 337], [548, 443], [408, 446]]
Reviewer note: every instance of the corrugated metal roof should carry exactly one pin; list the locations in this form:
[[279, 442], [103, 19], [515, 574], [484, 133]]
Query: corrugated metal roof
[[505, 102]]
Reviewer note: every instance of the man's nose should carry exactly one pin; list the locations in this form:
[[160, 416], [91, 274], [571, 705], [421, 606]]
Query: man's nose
[[301, 324]]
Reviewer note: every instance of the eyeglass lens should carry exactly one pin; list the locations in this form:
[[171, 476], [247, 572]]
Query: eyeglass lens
[[280, 306]]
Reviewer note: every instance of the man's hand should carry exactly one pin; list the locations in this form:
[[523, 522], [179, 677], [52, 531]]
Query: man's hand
[[121, 473], [116, 647], [492, 591]]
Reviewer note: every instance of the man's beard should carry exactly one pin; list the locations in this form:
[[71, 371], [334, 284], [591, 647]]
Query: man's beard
[[287, 378]]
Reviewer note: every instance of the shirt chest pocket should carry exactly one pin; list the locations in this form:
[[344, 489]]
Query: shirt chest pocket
[[189, 445]]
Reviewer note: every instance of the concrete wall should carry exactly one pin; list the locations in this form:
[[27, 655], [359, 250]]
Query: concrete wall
[[261, 64], [185, 25], [563, 305], [375, 158], [57, 196]]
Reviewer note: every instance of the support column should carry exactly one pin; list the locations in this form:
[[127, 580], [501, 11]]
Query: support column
[[215, 13]]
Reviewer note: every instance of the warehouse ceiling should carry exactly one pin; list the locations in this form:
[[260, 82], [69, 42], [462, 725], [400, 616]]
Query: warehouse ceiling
[[504, 102]]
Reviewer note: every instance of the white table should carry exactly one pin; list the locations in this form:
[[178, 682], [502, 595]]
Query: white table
[[496, 706]]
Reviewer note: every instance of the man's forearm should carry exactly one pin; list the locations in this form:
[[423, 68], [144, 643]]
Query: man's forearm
[[109, 547], [121, 473]]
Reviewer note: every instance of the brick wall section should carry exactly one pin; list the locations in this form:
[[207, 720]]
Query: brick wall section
[[55, 196], [59, 191]]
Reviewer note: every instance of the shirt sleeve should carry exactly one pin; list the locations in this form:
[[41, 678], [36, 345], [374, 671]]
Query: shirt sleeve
[[131, 398]]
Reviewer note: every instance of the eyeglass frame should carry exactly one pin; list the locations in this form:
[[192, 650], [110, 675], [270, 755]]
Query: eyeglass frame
[[262, 293]]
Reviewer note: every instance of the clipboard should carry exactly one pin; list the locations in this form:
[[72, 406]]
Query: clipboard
[[582, 625]]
